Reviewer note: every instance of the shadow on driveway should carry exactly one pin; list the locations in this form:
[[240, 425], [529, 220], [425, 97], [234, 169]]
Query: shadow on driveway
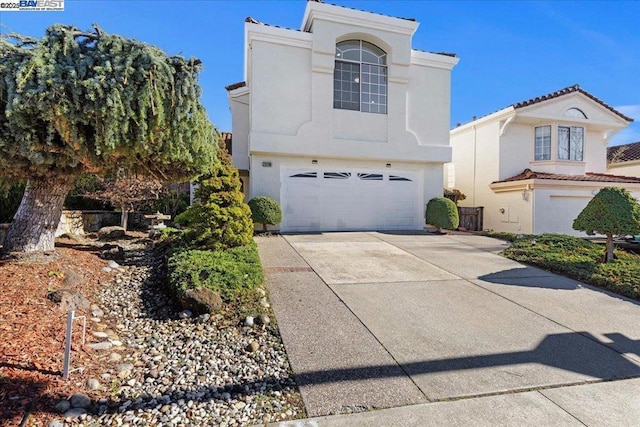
[[557, 350]]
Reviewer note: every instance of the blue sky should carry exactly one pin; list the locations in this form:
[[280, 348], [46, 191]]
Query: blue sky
[[509, 50]]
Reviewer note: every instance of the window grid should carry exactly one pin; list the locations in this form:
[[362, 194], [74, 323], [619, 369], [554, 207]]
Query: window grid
[[570, 143], [360, 77], [542, 145]]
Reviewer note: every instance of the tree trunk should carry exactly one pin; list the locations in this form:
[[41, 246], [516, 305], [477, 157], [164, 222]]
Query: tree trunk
[[608, 256], [264, 227], [35, 223], [124, 219]]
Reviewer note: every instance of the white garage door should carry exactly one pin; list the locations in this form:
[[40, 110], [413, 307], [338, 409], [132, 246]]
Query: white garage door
[[332, 200], [564, 209]]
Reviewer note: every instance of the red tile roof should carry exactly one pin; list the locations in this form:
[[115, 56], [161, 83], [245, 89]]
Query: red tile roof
[[235, 86], [589, 177], [624, 153], [556, 94], [566, 91]]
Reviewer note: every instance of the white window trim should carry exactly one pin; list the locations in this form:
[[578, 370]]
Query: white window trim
[[381, 107]]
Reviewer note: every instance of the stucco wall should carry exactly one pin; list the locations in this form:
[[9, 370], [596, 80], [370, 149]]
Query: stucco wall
[[476, 158], [510, 212], [240, 126], [290, 85], [624, 169]]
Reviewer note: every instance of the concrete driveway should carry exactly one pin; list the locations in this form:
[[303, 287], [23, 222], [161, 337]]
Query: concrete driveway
[[377, 320]]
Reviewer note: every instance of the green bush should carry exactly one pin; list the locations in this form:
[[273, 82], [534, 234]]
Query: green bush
[[265, 210], [442, 213], [232, 273], [579, 259], [612, 211], [220, 219]]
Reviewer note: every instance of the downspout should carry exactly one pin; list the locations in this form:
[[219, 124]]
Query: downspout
[[533, 209]]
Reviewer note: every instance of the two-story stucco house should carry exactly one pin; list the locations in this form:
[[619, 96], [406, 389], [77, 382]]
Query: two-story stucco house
[[535, 165], [342, 121]]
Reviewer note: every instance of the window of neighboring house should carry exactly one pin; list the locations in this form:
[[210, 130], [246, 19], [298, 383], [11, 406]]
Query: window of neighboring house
[[542, 144], [570, 143], [360, 77]]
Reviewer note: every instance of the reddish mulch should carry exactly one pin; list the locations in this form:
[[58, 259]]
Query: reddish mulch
[[32, 333]]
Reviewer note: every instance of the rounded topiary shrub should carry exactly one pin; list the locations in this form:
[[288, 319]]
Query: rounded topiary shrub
[[265, 210], [442, 213]]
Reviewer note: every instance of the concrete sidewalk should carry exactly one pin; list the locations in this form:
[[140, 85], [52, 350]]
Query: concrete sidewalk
[[602, 404], [380, 320]]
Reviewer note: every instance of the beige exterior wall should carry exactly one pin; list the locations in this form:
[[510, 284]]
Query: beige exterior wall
[[624, 168]]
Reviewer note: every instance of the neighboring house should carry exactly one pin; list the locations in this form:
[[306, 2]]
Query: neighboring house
[[536, 164], [624, 159], [342, 121]]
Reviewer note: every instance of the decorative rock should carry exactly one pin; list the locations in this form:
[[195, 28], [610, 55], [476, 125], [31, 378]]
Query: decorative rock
[[124, 370], [97, 313], [100, 345], [69, 300], [99, 334], [248, 321], [264, 303], [201, 300], [116, 343], [72, 280], [252, 347], [263, 319], [191, 373], [75, 413], [80, 400], [185, 314], [106, 269], [113, 264], [261, 292], [204, 318], [62, 406], [111, 233], [93, 384], [56, 423]]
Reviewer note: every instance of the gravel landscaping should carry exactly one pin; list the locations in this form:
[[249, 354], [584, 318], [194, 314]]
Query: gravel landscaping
[[168, 367]]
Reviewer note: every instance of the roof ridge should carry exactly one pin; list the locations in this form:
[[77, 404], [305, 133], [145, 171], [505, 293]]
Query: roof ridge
[[565, 91]]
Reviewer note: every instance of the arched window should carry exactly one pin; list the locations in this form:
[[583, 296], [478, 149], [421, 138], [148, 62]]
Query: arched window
[[575, 112], [360, 77]]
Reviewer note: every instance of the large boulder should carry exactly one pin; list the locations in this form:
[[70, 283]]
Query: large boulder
[[201, 300], [111, 233], [68, 300]]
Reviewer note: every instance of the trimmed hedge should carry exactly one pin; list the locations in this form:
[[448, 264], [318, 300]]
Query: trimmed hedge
[[579, 259], [232, 273], [442, 213]]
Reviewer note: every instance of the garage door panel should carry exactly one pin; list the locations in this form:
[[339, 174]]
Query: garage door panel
[[342, 199]]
